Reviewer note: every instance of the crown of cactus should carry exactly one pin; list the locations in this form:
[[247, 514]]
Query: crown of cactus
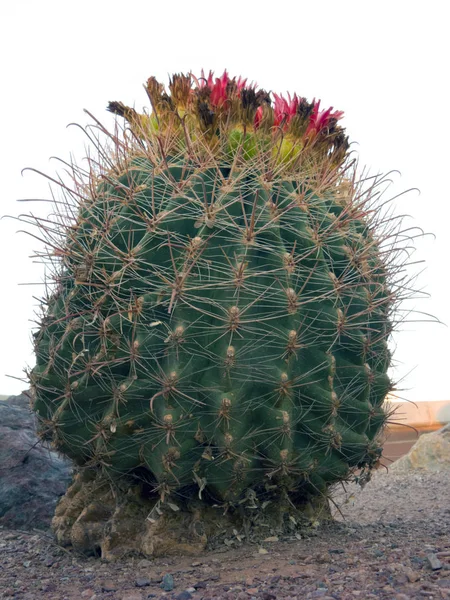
[[222, 301]]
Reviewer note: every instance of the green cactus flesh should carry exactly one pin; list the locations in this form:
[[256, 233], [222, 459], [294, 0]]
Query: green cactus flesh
[[221, 312]]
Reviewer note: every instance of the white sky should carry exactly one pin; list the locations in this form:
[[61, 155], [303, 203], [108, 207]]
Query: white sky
[[384, 63]]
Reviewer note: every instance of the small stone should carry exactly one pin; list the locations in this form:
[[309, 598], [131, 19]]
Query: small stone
[[191, 590], [48, 562], [242, 596], [144, 564], [131, 596], [185, 595], [167, 582], [87, 593], [109, 586], [263, 551], [336, 551], [443, 583], [268, 596], [412, 576], [272, 538], [200, 585], [27, 564], [196, 563], [252, 590], [142, 582], [434, 562]]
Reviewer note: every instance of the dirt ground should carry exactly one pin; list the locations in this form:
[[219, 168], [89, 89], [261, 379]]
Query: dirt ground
[[392, 541]]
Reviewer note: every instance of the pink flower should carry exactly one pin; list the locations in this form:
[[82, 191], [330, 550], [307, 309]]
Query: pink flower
[[219, 90], [258, 117], [284, 109], [321, 119]]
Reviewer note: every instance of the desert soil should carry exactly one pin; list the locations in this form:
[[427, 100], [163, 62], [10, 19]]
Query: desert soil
[[392, 541]]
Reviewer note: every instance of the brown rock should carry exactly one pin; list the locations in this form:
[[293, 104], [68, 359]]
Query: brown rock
[[131, 596], [410, 574], [109, 586], [431, 452]]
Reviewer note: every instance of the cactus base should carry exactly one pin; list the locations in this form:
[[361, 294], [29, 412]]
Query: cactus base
[[114, 522]]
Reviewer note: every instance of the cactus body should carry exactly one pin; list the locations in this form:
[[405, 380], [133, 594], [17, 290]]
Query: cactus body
[[222, 305]]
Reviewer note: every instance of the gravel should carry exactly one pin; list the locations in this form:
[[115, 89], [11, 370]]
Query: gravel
[[390, 540]]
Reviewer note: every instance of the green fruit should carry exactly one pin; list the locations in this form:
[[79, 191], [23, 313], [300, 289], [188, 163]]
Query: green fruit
[[219, 317]]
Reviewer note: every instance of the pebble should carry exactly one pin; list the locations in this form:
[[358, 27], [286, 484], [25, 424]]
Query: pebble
[[411, 575], [131, 596], [434, 562], [167, 582], [142, 582], [183, 595], [109, 586], [144, 564], [87, 593]]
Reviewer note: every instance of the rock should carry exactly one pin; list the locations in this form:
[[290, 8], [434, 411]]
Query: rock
[[431, 452], [434, 562], [167, 582], [131, 596], [109, 586], [32, 477], [411, 575], [142, 582]]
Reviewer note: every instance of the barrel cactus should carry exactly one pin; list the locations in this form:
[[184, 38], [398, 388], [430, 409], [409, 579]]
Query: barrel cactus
[[222, 300]]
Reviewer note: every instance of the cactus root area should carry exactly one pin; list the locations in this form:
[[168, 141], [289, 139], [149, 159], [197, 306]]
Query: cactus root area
[[96, 518]]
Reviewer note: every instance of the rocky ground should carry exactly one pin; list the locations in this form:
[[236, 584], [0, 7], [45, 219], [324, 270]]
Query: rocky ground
[[390, 541]]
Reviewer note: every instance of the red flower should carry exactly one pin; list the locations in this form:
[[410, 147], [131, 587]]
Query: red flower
[[284, 109], [219, 90], [321, 119], [218, 87], [258, 117]]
